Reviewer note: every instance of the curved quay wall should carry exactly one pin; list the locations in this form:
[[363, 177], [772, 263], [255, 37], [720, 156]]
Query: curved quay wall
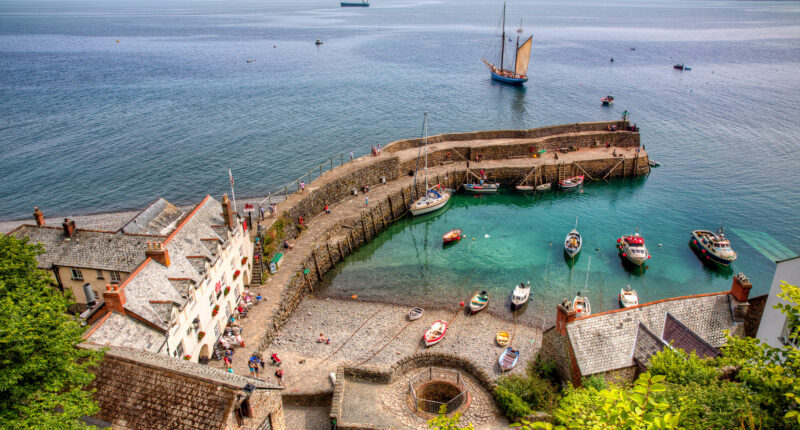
[[345, 236]]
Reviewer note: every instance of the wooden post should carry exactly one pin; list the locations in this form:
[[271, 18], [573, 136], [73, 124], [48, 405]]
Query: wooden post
[[316, 263], [364, 227], [391, 207], [374, 226], [341, 253]]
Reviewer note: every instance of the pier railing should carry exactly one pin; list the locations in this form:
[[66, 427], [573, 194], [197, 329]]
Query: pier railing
[[308, 177]]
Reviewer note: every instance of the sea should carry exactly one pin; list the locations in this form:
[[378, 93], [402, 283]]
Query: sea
[[105, 106]]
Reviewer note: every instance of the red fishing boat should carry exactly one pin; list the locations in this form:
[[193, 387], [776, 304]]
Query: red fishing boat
[[452, 235]]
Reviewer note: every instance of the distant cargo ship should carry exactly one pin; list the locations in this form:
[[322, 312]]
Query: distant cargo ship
[[362, 3]]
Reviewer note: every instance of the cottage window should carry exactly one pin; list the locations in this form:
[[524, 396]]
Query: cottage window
[[217, 330], [227, 310], [99, 274], [76, 274], [243, 411], [179, 350], [211, 299], [236, 292], [191, 301], [115, 277]]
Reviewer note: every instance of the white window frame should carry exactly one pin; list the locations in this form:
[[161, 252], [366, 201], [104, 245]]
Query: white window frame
[[100, 274], [76, 274], [115, 277]]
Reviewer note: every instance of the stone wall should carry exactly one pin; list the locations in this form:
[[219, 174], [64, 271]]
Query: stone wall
[[555, 348], [533, 133], [264, 405], [753, 318], [623, 376]]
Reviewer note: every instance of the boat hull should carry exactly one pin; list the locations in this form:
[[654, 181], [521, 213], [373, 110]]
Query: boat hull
[[544, 187], [431, 339], [502, 338], [571, 183], [525, 188], [451, 236], [627, 300], [481, 189], [476, 305], [507, 80], [343, 4], [430, 208], [508, 359], [696, 242], [573, 251]]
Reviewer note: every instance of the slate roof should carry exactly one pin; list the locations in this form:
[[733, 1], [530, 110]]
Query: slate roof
[[142, 390], [605, 341], [680, 337], [91, 249], [160, 217], [647, 344], [115, 329]]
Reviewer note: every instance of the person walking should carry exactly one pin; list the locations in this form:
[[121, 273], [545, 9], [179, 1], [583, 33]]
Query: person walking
[[302, 186], [261, 211]]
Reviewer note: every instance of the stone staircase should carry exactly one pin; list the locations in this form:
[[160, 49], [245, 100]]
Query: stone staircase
[[255, 280]]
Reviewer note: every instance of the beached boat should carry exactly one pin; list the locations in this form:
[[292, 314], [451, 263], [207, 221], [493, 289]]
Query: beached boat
[[715, 247], [544, 187], [508, 359], [435, 333], [435, 198], [484, 188], [628, 297], [518, 74], [632, 247], [415, 314], [452, 235], [502, 338], [520, 295], [362, 3], [573, 241], [478, 302], [570, 183], [607, 100]]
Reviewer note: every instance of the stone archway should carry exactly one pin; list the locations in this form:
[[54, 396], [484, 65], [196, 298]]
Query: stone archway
[[205, 354]]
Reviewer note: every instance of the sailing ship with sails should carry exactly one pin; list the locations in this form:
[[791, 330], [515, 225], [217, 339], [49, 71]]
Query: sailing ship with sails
[[436, 197], [518, 74]]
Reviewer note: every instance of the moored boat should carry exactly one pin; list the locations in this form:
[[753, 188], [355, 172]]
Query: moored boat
[[632, 248], [452, 235], [715, 247], [502, 338], [628, 297], [581, 305], [518, 74], [508, 359], [520, 295], [415, 314], [435, 333], [478, 302], [544, 187], [318, 42], [573, 241], [435, 198], [362, 3], [525, 188], [572, 182], [607, 100], [484, 188]]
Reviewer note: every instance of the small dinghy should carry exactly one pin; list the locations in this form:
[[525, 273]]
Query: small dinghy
[[502, 338], [435, 333], [628, 297], [485, 188], [525, 188], [478, 302], [508, 359], [573, 242], [452, 236], [570, 183], [581, 305], [608, 100], [544, 187], [415, 314], [520, 295]]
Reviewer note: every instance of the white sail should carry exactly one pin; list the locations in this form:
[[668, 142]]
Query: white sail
[[523, 57]]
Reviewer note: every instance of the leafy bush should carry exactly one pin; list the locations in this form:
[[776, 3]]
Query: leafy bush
[[443, 422], [511, 404], [714, 405], [536, 392], [680, 368], [547, 370], [597, 382]]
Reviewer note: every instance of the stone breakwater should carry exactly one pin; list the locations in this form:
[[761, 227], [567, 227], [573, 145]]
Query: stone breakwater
[[326, 239]]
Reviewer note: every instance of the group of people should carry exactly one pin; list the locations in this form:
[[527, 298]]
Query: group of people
[[376, 150], [273, 210], [257, 365], [232, 335]]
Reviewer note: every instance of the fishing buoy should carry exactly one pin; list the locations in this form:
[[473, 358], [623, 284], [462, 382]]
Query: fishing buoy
[[581, 191], [695, 242], [624, 254], [660, 244], [486, 236], [704, 251], [708, 258], [618, 240], [649, 256], [461, 304], [354, 296], [117, 40]]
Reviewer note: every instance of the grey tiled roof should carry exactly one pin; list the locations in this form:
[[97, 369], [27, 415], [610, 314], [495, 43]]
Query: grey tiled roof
[[681, 337], [182, 367], [647, 344], [89, 249], [605, 341], [122, 330], [160, 217]]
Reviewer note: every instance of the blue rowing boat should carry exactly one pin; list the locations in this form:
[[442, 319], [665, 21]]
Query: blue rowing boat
[[508, 359]]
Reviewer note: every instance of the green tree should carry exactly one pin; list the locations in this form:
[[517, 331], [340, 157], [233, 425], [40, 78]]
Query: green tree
[[42, 373], [443, 422]]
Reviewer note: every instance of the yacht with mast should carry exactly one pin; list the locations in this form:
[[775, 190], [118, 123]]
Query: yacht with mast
[[436, 197], [518, 74]]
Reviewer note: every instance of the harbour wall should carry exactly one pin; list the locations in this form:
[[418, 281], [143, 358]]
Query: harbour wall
[[344, 236]]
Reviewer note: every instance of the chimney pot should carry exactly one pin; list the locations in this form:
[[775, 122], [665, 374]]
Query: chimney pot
[[156, 251], [564, 315], [740, 290], [38, 216], [69, 227], [114, 298], [227, 212]]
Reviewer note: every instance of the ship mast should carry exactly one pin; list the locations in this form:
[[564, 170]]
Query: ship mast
[[425, 131], [503, 40], [516, 52]]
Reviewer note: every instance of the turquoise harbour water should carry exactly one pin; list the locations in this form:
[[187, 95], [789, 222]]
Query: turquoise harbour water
[[89, 124], [514, 237]]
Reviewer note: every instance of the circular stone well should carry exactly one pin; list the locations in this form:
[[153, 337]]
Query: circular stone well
[[438, 391], [434, 387]]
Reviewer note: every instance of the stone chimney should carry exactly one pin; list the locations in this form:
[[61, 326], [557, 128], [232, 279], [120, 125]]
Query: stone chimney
[[740, 290], [69, 227], [156, 251], [227, 212], [38, 216], [564, 316], [114, 296]]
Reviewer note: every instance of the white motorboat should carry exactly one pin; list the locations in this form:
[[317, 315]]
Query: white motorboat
[[632, 248], [573, 241], [581, 305], [628, 297], [715, 247], [435, 198], [520, 295]]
